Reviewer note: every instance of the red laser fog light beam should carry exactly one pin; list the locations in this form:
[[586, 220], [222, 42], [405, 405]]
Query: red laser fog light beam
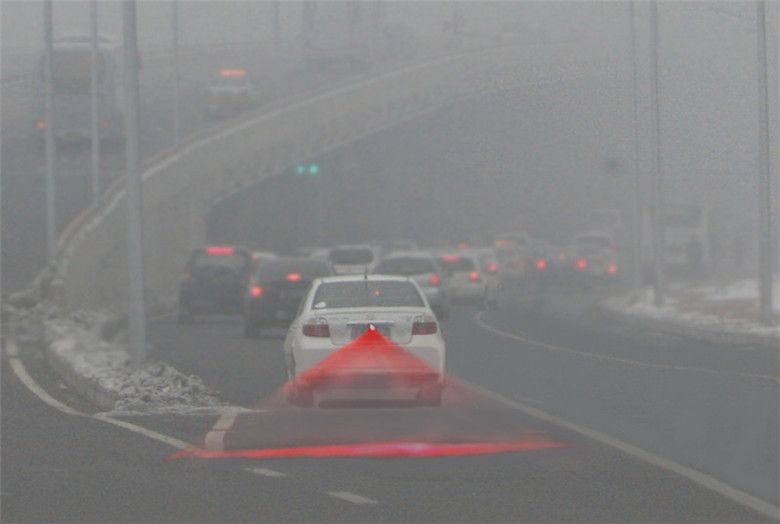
[[377, 450], [372, 357]]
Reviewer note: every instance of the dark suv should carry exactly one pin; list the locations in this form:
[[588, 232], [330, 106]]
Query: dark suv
[[276, 289], [215, 282]]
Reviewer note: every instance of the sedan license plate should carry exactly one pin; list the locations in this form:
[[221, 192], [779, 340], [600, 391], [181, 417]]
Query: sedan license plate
[[360, 329]]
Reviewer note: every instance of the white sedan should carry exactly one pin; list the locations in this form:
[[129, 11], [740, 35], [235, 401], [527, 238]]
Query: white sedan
[[365, 332]]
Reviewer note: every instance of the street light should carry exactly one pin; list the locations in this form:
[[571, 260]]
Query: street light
[[136, 321]]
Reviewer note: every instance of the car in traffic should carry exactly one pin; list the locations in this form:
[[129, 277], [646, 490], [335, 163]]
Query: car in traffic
[[488, 264], [276, 289], [258, 256], [338, 310], [215, 281], [513, 251], [233, 93], [553, 267], [597, 258], [465, 282], [423, 268]]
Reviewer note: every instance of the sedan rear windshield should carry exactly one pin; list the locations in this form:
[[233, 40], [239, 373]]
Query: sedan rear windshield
[[351, 256], [367, 294], [278, 269], [406, 266]]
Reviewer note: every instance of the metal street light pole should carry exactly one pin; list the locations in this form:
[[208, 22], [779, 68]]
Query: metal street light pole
[[95, 107], [277, 28], [136, 321], [659, 237], [764, 185], [176, 74], [638, 251], [50, 144]]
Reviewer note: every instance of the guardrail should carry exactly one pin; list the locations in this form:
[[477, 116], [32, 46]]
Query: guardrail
[[181, 186]]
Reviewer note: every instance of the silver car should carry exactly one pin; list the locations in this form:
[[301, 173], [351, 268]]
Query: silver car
[[466, 283], [423, 268], [338, 310]]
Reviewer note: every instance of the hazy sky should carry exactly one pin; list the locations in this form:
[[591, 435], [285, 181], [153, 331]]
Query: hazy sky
[[707, 60]]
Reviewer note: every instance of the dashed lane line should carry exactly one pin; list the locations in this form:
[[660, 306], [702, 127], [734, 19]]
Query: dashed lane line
[[351, 497], [265, 472]]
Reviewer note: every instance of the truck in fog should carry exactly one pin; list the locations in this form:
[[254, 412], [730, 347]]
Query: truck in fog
[[72, 90]]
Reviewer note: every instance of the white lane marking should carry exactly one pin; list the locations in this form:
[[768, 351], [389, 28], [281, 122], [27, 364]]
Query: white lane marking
[[21, 372], [618, 360], [225, 421], [176, 443], [700, 478], [265, 472], [351, 497], [215, 439]]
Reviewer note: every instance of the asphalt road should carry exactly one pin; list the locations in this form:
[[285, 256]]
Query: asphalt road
[[59, 467]]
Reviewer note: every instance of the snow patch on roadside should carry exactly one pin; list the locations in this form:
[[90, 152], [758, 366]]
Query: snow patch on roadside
[[685, 312], [158, 388]]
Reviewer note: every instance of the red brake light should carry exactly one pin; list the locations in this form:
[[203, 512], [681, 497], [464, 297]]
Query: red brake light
[[541, 264], [294, 277], [450, 258], [219, 250], [613, 269], [435, 280], [40, 125], [493, 268], [474, 276], [424, 326], [582, 264], [256, 291], [316, 327]]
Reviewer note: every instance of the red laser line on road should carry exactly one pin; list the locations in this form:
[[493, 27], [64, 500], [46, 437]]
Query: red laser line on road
[[379, 450], [373, 360]]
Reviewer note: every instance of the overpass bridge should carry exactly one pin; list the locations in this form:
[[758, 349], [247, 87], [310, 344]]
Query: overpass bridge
[[182, 184]]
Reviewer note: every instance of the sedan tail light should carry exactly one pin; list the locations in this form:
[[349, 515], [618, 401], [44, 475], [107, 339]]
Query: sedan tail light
[[613, 269], [256, 291], [582, 264], [435, 280], [493, 268], [474, 276], [424, 325], [541, 264], [316, 327]]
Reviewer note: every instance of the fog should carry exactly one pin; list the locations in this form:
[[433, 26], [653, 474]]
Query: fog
[[449, 123], [536, 158]]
